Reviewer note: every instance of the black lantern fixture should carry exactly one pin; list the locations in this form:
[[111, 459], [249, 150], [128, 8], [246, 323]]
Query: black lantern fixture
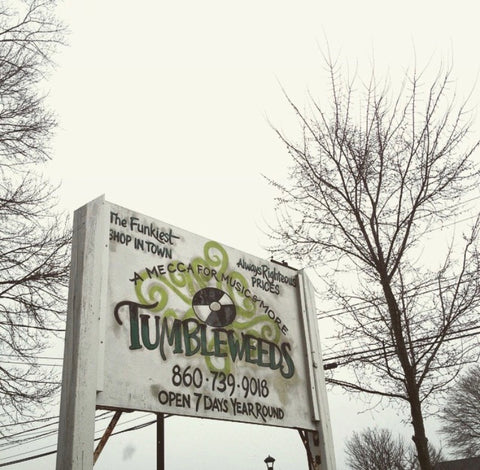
[[269, 461]]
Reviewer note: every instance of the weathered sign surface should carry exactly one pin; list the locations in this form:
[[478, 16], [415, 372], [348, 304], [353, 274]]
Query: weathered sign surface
[[193, 327]]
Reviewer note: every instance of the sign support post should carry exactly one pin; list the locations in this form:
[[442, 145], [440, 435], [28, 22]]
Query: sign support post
[[81, 357], [160, 441], [106, 436], [320, 442]]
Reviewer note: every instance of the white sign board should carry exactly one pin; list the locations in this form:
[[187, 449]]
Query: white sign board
[[196, 328], [163, 320]]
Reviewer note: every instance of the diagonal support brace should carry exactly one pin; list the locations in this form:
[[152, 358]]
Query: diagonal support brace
[[106, 435]]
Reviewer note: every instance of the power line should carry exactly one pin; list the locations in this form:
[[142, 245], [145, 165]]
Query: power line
[[382, 351], [35, 327], [99, 417], [49, 358], [433, 229], [36, 364], [45, 454], [320, 316], [361, 354], [374, 321], [365, 351], [26, 459], [37, 436], [38, 420], [365, 304]]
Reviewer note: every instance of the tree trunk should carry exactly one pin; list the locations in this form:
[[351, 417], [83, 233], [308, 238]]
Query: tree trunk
[[419, 437]]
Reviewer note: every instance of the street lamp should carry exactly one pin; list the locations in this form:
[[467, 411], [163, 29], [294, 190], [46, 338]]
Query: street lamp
[[269, 461]]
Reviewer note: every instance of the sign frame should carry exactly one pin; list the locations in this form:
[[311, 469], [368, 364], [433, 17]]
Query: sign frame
[[84, 367]]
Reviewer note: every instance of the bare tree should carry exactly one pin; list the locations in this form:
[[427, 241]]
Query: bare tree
[[373, 172], [461, 415], [374, 449], [378, 449], [34, 239]]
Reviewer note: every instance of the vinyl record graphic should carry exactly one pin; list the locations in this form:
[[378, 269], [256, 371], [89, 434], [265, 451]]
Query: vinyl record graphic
[[214, 307]]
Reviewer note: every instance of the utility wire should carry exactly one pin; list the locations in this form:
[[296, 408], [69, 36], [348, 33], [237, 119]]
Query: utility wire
[[384, 351], [37, 456], [47, 358], [37, 420], [344, 344], [27, 363], [35, 327], [357, 354], [99, 417], [35, 435], [365, 305], [374, 353]]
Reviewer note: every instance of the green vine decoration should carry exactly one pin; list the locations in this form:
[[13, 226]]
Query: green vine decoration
[[184, 280]]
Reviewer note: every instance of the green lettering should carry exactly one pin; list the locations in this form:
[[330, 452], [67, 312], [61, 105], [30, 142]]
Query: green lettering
[[218, 343], [189, 335], [290, 369], [133, 313], [237, 349], [261, 352], [174, 336], [204, 342], [249, 349], [145, 319], [275, 356]]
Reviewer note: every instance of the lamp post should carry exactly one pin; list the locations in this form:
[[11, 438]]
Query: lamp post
[[269, 461]]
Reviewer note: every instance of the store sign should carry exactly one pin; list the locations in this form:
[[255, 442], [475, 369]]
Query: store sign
[[163, 320], [196, 328]]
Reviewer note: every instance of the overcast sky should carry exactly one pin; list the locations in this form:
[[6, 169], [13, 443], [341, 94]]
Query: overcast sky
[[165, 107]]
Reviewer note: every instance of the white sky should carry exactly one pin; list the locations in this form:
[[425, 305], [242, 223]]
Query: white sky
[[164, 108]]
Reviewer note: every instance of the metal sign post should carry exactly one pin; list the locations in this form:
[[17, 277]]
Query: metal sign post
[[106, 436], [160, 441]]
